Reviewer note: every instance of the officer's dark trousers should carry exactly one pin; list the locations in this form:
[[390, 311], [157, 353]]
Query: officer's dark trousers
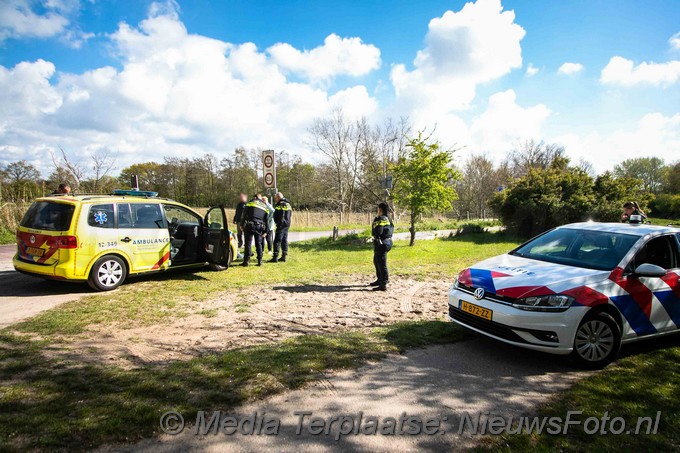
[[253, 231], [281, 241], [380, 261], [239, 234]]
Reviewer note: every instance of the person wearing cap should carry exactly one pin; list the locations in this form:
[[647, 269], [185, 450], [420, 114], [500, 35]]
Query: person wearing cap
[[382, 229], [255, 227]]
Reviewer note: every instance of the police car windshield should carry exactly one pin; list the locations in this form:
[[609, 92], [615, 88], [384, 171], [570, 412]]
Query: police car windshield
[[599, 250], [44, 215]]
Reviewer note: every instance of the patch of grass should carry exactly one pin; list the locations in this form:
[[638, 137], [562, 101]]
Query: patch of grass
[[635, 386], [156, 299], [208, 312], [663, 222], [7, 236], [53, 404]]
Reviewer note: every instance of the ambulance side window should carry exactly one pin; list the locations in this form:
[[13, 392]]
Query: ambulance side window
[[101, 216], [124, 216], [147, 216]]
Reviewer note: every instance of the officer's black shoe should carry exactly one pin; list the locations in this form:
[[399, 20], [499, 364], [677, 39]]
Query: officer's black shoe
[[244, 264], [375, 283], [259, 262], [273, 260], [380, 288], [282, 259]]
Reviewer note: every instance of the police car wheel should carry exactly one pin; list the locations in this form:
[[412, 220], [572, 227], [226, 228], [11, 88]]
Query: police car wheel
[[217, 267], [108, 273], [597, 341]]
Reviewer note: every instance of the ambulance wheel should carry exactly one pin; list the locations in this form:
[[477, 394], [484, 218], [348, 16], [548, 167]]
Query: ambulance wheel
[[108, 273], [218, 267], [597, 341]]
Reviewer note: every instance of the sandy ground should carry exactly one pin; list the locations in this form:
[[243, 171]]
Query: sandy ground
[[443, 382], [263, 315]]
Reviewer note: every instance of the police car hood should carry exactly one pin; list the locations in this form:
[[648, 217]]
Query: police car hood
[[516, 277]]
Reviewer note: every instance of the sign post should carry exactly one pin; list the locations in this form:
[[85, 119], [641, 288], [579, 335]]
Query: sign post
[[269, 166]]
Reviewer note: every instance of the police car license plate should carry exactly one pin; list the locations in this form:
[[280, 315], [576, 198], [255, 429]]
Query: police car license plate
[[476, 310], [35, 251]]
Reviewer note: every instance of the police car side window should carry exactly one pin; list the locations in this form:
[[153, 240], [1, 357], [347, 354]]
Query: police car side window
[[146, 216], [101, 216], [661, 251]]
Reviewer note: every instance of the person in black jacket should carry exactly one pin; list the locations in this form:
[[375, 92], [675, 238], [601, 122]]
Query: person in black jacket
[[382, 243], [282, 218], [238, 217], [255, 227]]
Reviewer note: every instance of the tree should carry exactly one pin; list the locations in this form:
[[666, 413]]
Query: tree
[[532, 154], [672, 184], [20, 180], [480, 182], [651, 170], [423, 180], [612, 192], [545, 198]]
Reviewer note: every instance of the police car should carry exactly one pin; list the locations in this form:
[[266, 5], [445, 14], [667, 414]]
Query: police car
[[103, 239], [581, 289]]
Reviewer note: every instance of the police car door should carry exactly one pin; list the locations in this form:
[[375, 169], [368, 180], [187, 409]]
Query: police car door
[[656, 305], [216, 236]]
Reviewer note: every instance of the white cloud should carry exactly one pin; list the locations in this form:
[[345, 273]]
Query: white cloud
[[532, 70], [175, 94], [569, 68], [505, 122], [478, 44], [621, 71], [18, 20], [654, 134], [674, 41], [337, 56]]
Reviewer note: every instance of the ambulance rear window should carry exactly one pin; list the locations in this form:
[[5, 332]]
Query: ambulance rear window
[[45, 215]]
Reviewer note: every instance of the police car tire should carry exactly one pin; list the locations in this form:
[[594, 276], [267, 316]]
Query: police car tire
[[217, 267], [611, 330], [107, 262]]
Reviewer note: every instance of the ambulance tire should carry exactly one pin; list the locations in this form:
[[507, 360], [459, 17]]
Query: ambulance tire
[[108, 273]]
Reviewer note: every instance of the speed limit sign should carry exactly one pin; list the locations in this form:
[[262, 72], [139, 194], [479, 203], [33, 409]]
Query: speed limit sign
[[269, 164]]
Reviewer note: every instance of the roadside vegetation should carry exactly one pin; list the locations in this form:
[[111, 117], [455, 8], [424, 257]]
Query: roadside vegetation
[[635, 386]]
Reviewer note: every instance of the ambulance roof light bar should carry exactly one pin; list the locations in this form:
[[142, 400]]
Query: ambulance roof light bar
[[135, 193]]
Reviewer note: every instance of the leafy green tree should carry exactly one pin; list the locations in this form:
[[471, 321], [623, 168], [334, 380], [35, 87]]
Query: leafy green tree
[[651, 170], [672, 183], [545, 198], [423, 180], [612, 192]]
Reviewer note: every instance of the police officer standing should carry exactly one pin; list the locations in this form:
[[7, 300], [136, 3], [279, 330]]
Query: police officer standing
[[255, 226], [238, 217], [382, 243], [282, 217]]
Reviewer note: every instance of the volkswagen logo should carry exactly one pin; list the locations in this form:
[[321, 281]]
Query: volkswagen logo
[[479, 293], [32, 239]]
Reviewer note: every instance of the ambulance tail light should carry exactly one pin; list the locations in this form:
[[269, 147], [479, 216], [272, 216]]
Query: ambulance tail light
[[62, 242]]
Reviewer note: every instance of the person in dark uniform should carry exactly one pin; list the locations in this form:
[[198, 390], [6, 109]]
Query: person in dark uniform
[[238, 217], [382, 243], [282, 218], [255, 226], [631, 208]]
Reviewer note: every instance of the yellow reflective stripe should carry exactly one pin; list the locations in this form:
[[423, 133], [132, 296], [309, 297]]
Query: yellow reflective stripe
[[283, 208], [381, 223]]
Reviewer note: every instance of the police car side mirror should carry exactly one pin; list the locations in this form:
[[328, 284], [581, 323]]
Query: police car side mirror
[[649, 270]]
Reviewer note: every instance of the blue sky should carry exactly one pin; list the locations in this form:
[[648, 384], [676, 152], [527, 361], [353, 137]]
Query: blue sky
[[602, 110]]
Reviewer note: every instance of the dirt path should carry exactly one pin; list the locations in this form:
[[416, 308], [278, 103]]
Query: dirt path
[[262, 315], [478, 375]]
